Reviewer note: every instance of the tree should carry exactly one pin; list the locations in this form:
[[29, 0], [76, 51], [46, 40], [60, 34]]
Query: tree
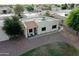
[[30, 7], [12, 26], [47, 7], [47, 13], [64, 6], [57, 5], [18, 9], [72, 6], [72, 19]]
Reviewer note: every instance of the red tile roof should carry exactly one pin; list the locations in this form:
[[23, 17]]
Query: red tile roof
[[30, 24]]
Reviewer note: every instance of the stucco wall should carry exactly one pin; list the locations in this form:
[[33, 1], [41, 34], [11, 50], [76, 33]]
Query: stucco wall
[[48, 25], [25, 29], [25, 33], [44, 23]]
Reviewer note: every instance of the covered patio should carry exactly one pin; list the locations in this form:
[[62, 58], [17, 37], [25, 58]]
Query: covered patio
[[31, 28]]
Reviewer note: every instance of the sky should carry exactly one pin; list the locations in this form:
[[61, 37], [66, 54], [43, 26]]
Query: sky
[[7, 2]]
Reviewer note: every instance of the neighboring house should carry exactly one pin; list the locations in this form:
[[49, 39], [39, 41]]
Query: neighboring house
[[38, 8], [63, 13], [60, 14], [36, 26], [4, 9], [31, 15]]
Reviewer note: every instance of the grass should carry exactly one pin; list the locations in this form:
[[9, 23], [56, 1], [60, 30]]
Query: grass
[[55, 49], [54, 52], [29, 52], [68, 49]]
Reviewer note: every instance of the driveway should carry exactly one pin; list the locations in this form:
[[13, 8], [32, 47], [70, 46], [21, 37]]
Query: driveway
[[16, 47], [3, 36]]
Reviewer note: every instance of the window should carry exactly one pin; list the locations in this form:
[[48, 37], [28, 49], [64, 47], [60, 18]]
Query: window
[[54, 26], [44, 28], [30, 30], [66, 14], [4, 11]]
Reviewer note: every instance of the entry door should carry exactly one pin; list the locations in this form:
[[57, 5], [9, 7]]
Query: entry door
[[32, 32], [35, 31]]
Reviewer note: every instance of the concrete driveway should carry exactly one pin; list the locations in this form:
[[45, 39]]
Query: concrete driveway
[[3, 35]]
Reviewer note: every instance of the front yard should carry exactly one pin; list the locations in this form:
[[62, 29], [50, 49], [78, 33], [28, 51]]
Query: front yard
[[43, 45], [53, 49]]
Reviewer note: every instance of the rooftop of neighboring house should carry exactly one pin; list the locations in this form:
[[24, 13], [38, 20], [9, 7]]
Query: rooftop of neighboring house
[[3, 16], [63, 12], [30, 15]]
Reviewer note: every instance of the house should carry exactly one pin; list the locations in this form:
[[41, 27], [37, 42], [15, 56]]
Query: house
[[37, 8], [63, 13], [40, 25], [5, 9]]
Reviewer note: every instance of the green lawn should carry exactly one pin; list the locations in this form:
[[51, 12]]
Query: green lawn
[[55, 49]]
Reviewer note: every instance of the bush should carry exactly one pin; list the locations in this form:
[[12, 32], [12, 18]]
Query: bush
[[47, 13], [64, 6], [72, 19], [30, 7], [12, 26], [18, 9]]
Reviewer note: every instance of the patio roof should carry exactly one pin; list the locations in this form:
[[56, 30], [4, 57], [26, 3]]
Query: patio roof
[[30, 24]]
